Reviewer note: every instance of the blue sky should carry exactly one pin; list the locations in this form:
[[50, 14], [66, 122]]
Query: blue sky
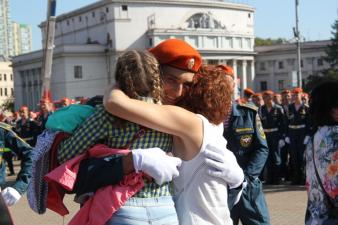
[[273, 18]]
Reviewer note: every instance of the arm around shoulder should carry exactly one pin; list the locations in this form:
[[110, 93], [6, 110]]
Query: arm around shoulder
[[165, 118]]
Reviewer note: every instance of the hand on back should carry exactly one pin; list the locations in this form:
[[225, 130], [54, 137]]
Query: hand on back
[[156, 163]]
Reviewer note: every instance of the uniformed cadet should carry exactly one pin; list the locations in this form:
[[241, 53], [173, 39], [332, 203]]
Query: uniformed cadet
[[277, 98], [257, 99], [305, 98], [246, 139], [286, 100], [9, 139], [273, 121], [298, 133], [27, 129], [247, 95], [285, 151], [66, 102], [46, 109]]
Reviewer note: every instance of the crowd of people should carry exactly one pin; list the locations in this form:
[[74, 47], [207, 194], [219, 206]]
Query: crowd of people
[[168, 145], [287, 126]]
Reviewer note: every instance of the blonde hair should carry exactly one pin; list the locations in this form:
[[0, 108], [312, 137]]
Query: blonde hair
[[138, 75]]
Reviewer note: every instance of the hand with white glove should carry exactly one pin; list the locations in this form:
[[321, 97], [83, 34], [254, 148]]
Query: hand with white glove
[[222, 163], [10, 196], [306, 139], [156, 163], [281, 143], [287, 140]]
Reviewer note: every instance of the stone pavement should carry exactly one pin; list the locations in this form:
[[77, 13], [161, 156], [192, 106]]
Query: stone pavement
[[286, 205]]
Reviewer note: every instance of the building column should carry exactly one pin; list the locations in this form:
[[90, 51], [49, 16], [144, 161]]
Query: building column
[[234, 67], [272, 75], [252, 74], [244, 75]]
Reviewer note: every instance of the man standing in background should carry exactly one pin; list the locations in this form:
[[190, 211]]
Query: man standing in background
[[246, 139]]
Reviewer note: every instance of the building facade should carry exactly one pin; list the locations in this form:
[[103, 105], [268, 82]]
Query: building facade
[[88, 41], [6, 80], [22, 38], [276, 65], [6, 40]]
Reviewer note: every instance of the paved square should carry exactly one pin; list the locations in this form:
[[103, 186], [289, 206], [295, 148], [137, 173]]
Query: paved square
[[286, 205]]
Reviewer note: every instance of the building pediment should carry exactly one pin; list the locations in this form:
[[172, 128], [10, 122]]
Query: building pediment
[[203, 20]]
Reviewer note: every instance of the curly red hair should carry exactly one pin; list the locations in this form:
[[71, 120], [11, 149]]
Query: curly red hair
[[210, 94]]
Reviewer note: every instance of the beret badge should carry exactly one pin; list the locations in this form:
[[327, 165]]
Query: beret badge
[[191, 63]]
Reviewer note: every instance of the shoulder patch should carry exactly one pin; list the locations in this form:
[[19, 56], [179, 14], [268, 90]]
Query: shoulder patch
[[5, 126], [260, 128]]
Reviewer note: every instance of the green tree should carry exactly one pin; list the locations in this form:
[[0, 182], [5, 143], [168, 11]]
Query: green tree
[[8, 105], [313, 80], [269, 41], [332, 49], [332, 58]]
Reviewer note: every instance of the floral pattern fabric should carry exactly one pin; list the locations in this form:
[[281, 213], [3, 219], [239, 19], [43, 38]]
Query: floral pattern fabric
[[325, 145]]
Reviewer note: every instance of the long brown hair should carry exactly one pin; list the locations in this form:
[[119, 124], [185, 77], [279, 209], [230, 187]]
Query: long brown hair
[[210, 94], [138, 75]]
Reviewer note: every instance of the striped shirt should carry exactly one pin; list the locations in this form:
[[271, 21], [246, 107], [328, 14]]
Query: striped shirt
[[100, 128]]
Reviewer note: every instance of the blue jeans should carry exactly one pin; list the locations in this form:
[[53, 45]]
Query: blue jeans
[[146, 211]]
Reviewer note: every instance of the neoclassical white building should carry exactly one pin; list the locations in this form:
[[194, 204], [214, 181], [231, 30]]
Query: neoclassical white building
[[6, 80], [276, 65], [88, 41]]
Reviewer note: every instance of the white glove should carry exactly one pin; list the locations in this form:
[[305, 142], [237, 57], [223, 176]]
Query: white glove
[[281, 143], [155, 163], [10, 196], [306, 140], [222, 163], [287, 140]]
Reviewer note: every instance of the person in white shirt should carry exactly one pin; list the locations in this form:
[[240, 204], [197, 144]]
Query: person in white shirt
[[198, 141]]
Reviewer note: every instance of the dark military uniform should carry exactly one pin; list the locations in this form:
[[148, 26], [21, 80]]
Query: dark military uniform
[[10, 139], [246, 139], [42, 120], [28, 130], [285, 150], [273, 122], [298, 128]]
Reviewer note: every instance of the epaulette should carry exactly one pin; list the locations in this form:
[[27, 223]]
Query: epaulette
[[249, 105], [5, 126]]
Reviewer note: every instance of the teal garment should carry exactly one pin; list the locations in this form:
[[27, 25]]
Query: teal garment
[[67, 119]]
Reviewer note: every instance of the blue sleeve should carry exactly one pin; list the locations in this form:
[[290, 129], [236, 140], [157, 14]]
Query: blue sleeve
[[24, 151], [259, 155]]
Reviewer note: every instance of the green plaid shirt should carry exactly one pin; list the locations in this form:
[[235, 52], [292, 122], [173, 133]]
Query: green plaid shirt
[[99, 128]]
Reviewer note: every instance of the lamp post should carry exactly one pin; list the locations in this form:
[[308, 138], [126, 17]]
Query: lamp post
[[48, 50], [297, 36]]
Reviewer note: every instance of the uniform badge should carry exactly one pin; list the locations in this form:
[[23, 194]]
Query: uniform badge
[[191, 63], [246, 140], [260, 128]]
